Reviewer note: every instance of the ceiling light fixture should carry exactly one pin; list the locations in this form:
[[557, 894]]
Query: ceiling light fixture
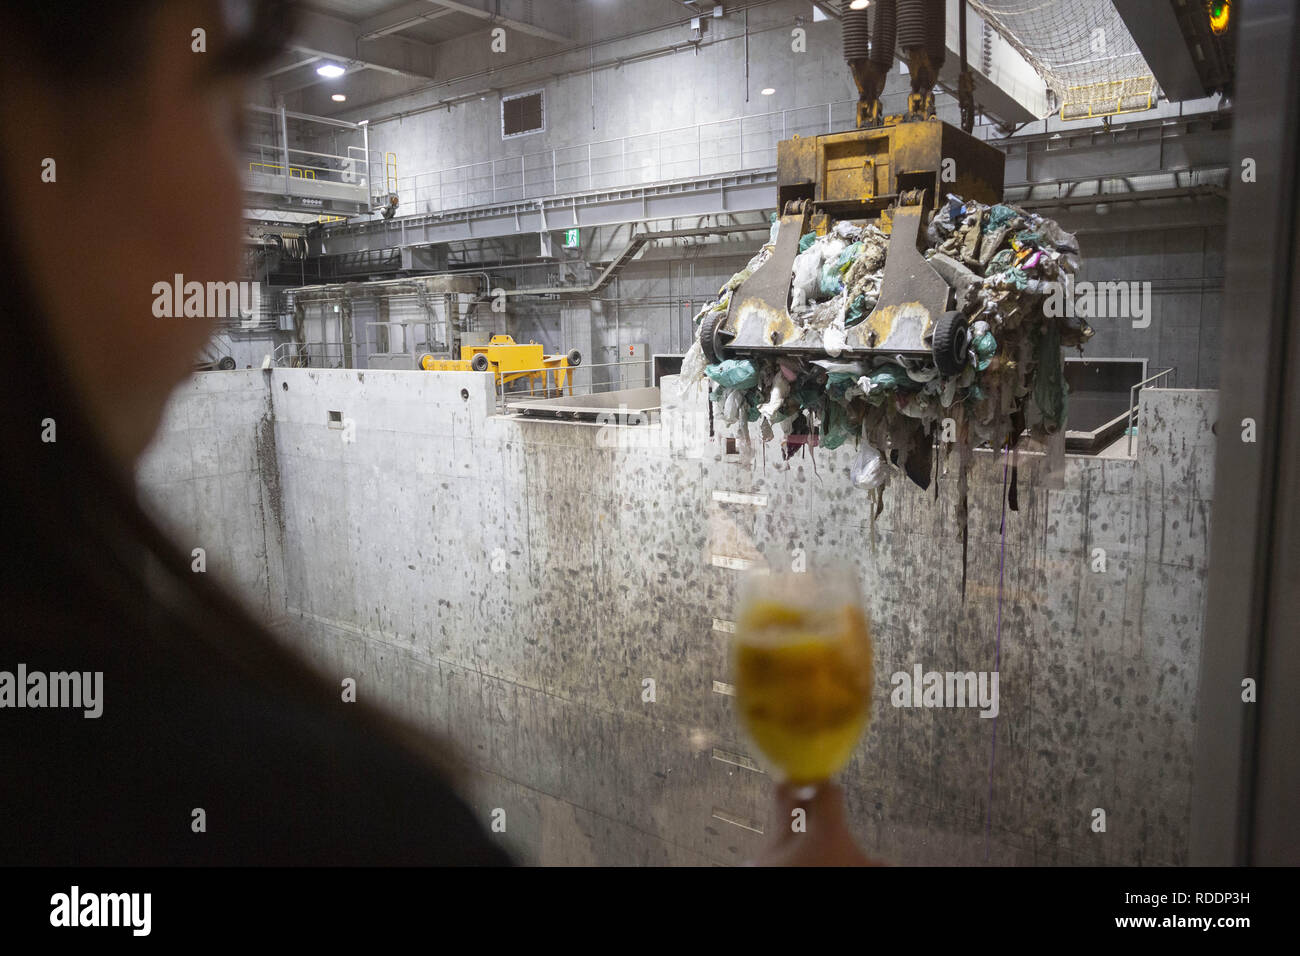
[[338, 98], [769, 91], [331, 71], [859, 4]]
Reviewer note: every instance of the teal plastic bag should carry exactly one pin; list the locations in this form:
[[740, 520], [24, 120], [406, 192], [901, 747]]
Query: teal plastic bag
[[733, 373], [1002, 261], [857, 311], [891, 376], [806, 240], [837, 382], [829, 283], [808, 397], [1050, 389], [999, 216], [984, 346], [835, 427]]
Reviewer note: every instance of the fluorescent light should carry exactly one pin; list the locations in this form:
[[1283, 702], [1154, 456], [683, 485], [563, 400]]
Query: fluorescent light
[[331, 71], [859, 4], [768, 91], [338, 98]]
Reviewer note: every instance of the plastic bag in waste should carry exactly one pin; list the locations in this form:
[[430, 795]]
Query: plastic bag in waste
[[985, 346], [803, 287], [999, 216], [829, 281], [834, 340], [734, 373], [777, 397], [890, 376], [835, 427], [809, 396], [838, 383], [806, 240], [918, 373], [1011, 278], [693, 366], [733, 404], [851, 368], [847, 257], [869, 470], [1050, 388], [1000, 261], [858, 309]]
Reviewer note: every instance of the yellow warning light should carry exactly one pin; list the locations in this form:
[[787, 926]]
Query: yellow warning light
[[1220, 11]]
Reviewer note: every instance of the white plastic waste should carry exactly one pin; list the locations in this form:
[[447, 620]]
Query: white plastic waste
[[869, 470], [732, 405], [693, 365], [807, 273], [835, 339], [780, 389]]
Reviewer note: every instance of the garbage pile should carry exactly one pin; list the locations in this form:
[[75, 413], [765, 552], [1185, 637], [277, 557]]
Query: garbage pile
[[1001, 261]]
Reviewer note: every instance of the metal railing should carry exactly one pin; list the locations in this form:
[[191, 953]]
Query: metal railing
[[351, 169], [269, 153], [504, 394], [1133, 402], [724, 146], [308, 355], [295, 172]]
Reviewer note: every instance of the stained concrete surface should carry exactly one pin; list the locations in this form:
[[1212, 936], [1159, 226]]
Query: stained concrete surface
[[511, 584]]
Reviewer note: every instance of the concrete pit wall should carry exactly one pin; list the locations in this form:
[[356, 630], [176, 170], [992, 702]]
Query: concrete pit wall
[[512, 584]]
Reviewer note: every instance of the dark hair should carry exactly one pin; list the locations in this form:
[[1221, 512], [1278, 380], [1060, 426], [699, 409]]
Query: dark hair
[[75, 531]]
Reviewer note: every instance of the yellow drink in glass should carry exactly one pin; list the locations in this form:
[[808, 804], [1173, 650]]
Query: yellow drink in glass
[[803, 671]]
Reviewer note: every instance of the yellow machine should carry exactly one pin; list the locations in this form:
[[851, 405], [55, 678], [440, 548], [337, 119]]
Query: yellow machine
[[511, 361]]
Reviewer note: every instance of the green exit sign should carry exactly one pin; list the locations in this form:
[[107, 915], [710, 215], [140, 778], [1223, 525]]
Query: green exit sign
[[571, 239]]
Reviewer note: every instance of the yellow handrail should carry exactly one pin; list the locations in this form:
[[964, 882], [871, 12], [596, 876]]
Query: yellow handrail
[[1106, 93], [302, 173], [390, 172]]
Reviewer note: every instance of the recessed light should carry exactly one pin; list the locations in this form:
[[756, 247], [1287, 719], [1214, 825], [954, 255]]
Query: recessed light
[[859, 4], [338, 98], [769, 91], [331, 71]]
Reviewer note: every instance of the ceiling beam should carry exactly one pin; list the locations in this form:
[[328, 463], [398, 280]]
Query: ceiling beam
[[1157, 33], [298, 61], [306, 80], [411, 14], [515, 15], [329, 37]]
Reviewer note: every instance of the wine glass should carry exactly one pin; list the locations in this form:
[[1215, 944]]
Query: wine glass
[[802, 662]]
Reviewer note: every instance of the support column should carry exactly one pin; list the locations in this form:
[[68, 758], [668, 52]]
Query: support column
[[575, 333]]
